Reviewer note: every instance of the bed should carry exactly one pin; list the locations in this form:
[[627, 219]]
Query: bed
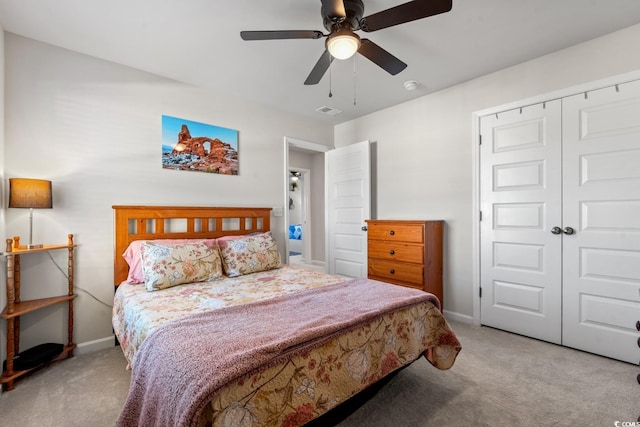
[[277, 346]]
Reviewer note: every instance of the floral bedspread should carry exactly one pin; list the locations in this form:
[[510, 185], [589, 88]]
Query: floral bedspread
[[308, 384], [137, 312], [312, 383]]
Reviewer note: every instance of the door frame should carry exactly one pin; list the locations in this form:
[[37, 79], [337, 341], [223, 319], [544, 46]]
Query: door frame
[[288, 143], [475, 159]]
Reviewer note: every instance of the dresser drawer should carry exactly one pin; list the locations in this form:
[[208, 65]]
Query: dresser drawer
[[412, 233], [396, 251], [406, 253], [411, 273]]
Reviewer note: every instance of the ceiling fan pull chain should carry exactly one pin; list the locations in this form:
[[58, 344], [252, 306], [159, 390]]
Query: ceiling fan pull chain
[[330, 66], [354, 80]]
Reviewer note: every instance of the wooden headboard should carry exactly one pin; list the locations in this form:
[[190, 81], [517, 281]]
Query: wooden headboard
[[180, 222]]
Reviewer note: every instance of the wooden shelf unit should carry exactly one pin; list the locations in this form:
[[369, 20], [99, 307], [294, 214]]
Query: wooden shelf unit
[[16, 307]]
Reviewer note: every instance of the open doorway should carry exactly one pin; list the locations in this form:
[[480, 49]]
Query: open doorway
[[304, 203], [299, 219]]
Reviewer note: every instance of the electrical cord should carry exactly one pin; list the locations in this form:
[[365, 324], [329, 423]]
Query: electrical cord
[[75, 286]]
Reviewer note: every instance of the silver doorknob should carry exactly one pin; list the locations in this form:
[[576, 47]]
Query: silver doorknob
[[556, 230], [364, 228], [569, 230]]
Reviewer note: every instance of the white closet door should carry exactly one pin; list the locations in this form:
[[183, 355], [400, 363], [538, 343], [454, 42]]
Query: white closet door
[[601, 168], [520, 176]]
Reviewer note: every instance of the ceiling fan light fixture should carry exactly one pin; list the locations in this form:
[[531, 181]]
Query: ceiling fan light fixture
[[343, 44]]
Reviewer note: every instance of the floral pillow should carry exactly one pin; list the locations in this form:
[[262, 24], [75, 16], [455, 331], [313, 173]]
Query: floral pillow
[[249, 254], [132, 255], [165, 265]]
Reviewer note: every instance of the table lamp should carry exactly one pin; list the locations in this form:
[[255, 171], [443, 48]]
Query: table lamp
[[32, 194]]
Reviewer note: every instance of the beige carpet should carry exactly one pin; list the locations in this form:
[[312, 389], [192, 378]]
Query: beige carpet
[[499, 379]]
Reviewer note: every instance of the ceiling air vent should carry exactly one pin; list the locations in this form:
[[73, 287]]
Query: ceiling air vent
[[328, 111]]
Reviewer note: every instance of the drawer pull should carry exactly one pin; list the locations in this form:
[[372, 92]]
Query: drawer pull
[[392, 271], [392, 252], [392, 232]]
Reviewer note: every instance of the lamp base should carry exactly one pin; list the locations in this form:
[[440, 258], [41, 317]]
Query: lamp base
[[35, 246]]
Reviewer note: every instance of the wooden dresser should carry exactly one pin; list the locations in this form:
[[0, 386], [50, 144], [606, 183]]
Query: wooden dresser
[[406, 253]]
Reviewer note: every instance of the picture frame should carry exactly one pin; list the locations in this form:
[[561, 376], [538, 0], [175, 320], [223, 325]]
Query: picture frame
[[198, 147]]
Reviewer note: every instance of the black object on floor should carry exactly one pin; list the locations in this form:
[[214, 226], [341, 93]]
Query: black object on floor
[[35, 356]]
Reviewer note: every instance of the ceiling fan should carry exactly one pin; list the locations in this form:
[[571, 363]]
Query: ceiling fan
[[342, 18]]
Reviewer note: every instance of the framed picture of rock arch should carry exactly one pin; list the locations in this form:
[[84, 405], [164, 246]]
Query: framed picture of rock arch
[[198, 147]]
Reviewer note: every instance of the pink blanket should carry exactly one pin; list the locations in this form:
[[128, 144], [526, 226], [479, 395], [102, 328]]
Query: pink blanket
[[182, 364]]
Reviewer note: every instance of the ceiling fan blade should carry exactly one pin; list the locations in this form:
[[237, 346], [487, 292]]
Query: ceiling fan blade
[[319, 69], [334, 8], [280, 35], [407, 12], [381, 57]]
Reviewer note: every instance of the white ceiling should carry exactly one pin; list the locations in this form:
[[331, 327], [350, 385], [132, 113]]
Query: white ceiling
[[198, 42]]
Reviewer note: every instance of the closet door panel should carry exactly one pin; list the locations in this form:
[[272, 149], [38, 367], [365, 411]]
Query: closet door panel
[[601, 201], [520, 193]]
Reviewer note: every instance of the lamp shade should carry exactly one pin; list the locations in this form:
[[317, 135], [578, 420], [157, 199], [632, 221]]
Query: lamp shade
[[30, 193]]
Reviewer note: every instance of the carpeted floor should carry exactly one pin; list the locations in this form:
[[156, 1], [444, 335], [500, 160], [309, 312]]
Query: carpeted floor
[[499, 379]]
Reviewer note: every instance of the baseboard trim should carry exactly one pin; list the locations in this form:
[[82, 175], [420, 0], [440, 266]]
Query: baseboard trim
[[95, 345], [458, 317]]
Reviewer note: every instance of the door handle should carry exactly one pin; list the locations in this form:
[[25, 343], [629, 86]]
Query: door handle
[[556, 230], [364, 228], [569, 231]]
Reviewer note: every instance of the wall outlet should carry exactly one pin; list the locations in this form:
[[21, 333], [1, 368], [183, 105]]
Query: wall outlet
[[278, 212]]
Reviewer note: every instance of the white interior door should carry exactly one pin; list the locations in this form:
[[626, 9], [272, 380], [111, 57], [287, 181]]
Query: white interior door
[[348, 202], [520, 194], [601, 168]]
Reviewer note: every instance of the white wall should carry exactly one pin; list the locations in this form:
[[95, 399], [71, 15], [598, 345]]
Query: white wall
[[3, 265], [424, 147], [93, 128]]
